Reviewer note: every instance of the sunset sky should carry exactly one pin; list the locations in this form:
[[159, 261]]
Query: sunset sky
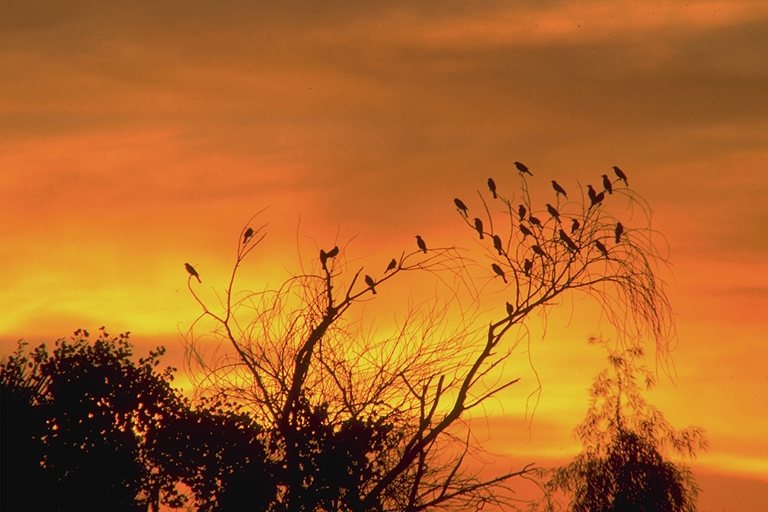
[[136, 136]]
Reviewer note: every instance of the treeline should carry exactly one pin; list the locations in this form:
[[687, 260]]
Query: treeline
[[88, 427]]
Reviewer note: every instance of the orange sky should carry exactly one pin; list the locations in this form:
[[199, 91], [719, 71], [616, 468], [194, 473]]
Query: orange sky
[[137, 136]]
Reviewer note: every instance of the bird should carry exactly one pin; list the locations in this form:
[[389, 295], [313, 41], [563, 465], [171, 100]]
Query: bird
[[620, 174], [333, 252], [420, 243], [594, 197], [521, 211], [192, 272], [247, 235], [323, 258], [492, 187], [460, 206], [392, 265], [619, 231], [574, 225], [592, 194], [607, 184], [510, 309], [535, 221], [523, 169], [553, 211], [559, 189], [497, 244], [498, 271], [570, 243], [525, 231], [601, 248], [479, 227], [527, 266], [371, 283], [538, 250]]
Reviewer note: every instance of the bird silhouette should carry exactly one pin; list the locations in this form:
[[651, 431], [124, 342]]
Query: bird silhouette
[[479, 227], [392, 265], [553, 211], [192, 272], [523, 168], [527, 266], [521, 211], [619, 231], [333, 252], [492, 187], [525, 231], [371, 283], [607, 185], [498, 271], [558, 189], [601, 248], [534, 221], [620, 174], [570, 243], [323, 258], [420, 243], [247, 235], [574, 225], [594, 197], [538, 250], [461, 206], [510, 309], [497, 244]]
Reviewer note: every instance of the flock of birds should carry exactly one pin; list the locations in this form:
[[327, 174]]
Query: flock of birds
[[595, 199], [529, 222]]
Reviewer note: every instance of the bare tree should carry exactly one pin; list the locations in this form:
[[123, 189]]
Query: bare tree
[[390, 408]]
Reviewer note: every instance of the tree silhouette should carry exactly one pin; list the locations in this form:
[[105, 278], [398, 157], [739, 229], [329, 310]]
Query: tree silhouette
[[300, 361], [95, 429], [622, 467]]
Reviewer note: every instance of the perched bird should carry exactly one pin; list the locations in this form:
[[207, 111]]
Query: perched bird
[[324, 256], [497, 244], [420, 243], [607, 185], [525, 231], [392, 265], [510, 309], [601, 248], [247, 235], [371, 283], [527, 266], [553, 211], [498, 271], [620, 174], [521, 211], [558, 189], [575, 225], [619, 231], [479, 227], [538, 250], [534, 221], [523, 169], [192, 272], [492, 187], [570, 243], [460, 206], [594, 197]]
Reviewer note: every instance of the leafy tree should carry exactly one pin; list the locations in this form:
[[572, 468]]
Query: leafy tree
[[96, 430], [301, 357], [622, 467]]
